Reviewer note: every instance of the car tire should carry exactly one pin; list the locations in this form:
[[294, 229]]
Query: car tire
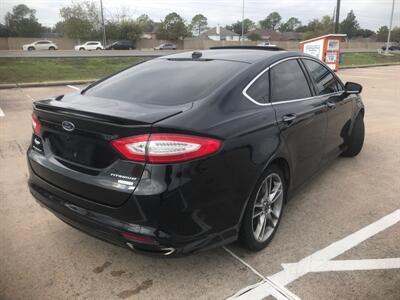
[[355, 141], [269, 210], [81, 48], [31, 48], [98, 48], [52, 48]]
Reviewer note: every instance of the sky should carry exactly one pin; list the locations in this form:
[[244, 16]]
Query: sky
[[370, 14]]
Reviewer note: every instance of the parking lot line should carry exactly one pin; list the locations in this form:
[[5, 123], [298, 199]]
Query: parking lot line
[[2, 113], [320, 257], [276, 290], [74, 87]]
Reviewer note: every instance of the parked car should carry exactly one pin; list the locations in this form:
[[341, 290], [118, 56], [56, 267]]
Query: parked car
[[40, 45], [392, 46], [193, 150], [166, 47], [121, 45], [266, 44], [91, 45]]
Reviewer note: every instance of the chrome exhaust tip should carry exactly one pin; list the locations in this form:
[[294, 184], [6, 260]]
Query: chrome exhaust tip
[[162, 251]]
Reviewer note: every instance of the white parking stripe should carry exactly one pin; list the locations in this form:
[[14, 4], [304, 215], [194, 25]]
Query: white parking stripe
[[320, 257], [348, 265], [279, 292], [74, 87], [2, 113]]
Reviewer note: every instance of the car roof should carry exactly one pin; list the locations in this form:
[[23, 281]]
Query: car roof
[[239, 54]]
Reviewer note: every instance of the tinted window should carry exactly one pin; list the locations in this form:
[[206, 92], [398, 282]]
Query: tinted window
[[167, 82], [324, 80], [288, 82], [259, 90], [93, 43], [43, 42]]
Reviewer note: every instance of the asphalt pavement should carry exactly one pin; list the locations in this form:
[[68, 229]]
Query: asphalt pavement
[[339, 237]]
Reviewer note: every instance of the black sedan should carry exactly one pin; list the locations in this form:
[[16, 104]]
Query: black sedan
[[193, 150], [121, 45]]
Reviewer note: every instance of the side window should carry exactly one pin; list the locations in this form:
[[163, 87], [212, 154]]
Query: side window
[[288, 82], [323, 78], [259, 90]]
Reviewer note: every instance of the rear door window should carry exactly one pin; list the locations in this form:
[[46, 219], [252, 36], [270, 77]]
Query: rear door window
[[167, 82], [323, 78], [288, 82]]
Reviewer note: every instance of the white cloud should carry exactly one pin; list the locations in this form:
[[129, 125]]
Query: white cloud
[[370, 13]]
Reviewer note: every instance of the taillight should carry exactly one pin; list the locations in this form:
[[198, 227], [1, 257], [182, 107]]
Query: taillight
[[36, 125], [165, 147]]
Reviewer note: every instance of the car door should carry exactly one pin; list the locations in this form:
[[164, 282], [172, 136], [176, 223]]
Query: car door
[[42, 45], [301, 117], [339, 106]]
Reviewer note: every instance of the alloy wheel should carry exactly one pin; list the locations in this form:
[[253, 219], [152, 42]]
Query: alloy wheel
[[267, 207]]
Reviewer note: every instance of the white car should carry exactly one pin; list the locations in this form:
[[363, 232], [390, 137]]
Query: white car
[[266, 44], [40, 45], [91, 45]]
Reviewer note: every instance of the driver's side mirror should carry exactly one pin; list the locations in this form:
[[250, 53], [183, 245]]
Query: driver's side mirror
[[352, 88]]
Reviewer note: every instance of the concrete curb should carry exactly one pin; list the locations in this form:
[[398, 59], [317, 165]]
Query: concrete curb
[[45, 83], [369, 66]]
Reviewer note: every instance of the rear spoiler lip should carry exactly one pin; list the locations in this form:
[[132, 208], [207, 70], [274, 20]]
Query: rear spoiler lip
[[87, 115]]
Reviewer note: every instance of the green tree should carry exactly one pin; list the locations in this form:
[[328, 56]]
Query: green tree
[[145, 22], [271, 21], [81, 20], [199, 23], [22, 22], [237, 27], [350, 25], [173, 27], [4, 31], [318, 27], [290, 25], [382, 34], [254, 36]]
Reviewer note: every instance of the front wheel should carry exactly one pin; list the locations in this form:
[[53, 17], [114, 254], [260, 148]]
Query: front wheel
[[355, 141], [52, 48], [98, 48], [264, 210], [31, 49]]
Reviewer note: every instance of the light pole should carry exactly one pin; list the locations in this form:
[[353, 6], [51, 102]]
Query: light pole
[[337, 16], [241, 37], [102, 23], [390, 29]]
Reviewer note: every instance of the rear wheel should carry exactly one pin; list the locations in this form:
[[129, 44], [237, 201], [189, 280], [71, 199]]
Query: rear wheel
[[264, 210], [355, 141]]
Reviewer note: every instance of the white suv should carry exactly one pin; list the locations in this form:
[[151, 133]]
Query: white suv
[[40, 45], [92, 45]]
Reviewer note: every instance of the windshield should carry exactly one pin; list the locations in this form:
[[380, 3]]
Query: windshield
[[167, 82]]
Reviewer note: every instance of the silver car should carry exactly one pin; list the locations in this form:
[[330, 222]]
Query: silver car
[[40, 45], [166, 47]]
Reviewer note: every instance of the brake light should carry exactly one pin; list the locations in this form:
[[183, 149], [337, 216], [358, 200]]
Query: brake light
[[165, 147], [36, 125]]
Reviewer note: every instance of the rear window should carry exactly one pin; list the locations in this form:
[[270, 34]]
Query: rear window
[[167, 82]]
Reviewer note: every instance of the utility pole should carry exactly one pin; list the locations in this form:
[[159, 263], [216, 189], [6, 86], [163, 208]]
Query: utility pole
[[337, 16], [241, 37], [102, 23], [390, 29]]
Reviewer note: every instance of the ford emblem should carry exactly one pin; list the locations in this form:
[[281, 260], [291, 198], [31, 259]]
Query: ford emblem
[[68, 126]]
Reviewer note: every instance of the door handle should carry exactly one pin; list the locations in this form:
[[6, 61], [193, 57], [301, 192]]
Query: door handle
[[330, 104], [288, 119]]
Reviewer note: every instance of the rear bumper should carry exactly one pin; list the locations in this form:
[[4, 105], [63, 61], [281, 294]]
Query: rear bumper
[[140, 215]]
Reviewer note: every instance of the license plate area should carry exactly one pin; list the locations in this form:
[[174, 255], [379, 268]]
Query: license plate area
[[81, 150]]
